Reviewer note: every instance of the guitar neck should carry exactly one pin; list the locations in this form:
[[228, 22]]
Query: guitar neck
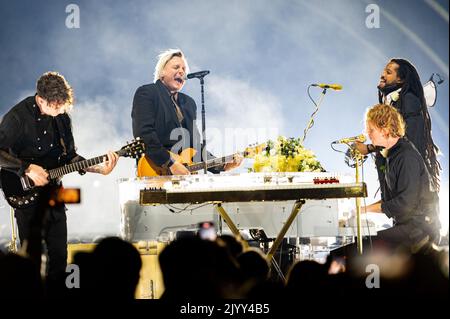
[[77, 166], [73, 167], [211, 163]]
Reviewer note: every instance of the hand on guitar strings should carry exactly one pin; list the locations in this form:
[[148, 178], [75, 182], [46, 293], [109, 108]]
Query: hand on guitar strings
[[178, 168], [110, 163], [38, 175], [107, 166], [237, 160]]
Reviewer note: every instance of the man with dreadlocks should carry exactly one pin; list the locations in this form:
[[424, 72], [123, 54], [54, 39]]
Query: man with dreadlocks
[[400, 86]]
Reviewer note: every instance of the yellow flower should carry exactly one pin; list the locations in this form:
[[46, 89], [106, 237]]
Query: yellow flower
[[286, 155]]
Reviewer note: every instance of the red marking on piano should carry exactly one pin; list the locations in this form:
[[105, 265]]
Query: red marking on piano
[[326, 180]]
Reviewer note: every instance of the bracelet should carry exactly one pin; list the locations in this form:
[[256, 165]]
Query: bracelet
[[371, 148]]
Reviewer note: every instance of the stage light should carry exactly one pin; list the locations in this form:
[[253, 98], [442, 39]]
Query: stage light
[[430, 90]]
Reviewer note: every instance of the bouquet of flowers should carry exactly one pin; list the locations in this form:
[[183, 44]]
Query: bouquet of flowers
[[286, 155]]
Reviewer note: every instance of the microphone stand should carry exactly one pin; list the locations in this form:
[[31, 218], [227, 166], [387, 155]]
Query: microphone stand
[[359, 160], [359, 243], [204, 150]]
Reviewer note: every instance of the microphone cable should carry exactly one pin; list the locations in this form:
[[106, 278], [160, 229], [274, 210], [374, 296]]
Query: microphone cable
[[348, 154], [177, 210], [311, 119], [336, 150], [309, 94]]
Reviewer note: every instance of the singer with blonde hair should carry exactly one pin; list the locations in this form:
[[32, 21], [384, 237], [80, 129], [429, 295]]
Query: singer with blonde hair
[[164, 58], [164, 118]]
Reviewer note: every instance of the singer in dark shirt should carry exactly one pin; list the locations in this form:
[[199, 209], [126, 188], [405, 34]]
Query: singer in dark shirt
[[406, 192], [165, 118]]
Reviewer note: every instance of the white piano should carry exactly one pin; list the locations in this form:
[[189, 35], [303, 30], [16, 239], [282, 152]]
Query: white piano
[[155, 208]]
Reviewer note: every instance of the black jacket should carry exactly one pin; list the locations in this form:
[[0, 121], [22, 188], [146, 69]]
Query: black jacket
[[27, 136], [410, 108], [155, 121], [406, 191]]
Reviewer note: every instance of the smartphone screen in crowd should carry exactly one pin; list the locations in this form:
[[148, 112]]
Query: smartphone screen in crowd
[[207, 231]]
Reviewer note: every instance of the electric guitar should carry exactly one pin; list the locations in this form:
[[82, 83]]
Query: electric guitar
[[147, 168], [20, 191]]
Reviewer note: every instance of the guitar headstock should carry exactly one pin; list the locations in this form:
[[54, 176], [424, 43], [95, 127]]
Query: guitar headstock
[[134, 149], [254, 149]]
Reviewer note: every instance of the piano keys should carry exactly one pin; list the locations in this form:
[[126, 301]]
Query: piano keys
[[250, 187]]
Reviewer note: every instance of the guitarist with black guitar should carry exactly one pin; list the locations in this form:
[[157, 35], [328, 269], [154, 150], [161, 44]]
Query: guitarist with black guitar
[[36, 136]]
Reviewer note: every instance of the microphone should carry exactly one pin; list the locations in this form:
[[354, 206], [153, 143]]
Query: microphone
[[197, 75], [336, 87], [360, 138]]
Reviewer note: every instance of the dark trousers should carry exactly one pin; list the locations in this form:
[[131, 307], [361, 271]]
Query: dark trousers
[[54, 233], [413, 236]]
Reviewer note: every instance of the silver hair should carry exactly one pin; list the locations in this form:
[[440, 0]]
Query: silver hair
[[165, 57]]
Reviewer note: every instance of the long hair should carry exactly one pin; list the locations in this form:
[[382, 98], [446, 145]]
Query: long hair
[[411, 83]]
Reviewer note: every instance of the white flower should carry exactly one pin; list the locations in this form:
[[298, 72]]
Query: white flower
[[395, 95]]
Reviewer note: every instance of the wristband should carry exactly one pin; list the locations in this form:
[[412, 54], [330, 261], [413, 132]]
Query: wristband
[[371, 148]]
